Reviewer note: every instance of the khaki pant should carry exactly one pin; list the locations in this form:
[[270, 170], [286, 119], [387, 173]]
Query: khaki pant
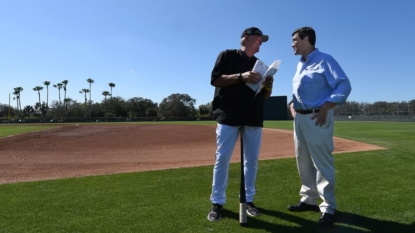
[[313, 147]]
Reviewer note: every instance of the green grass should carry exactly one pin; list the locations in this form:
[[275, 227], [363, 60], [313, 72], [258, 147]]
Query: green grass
[[374, 193], [12, 129]]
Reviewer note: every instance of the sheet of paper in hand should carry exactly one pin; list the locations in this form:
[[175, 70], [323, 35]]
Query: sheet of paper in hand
[[264, 71]]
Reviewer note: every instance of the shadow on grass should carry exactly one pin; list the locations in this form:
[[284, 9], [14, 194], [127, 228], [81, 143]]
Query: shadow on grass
[[374, 225], [344, 222]]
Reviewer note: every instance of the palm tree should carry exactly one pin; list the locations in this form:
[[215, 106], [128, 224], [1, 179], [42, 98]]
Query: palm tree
[[90, 81], [59, 86], [16, 93], [111, 85], [105, 93], [66, 101], [47, 83], [38, 89], [84, 91], [65, 82], [17, 90]]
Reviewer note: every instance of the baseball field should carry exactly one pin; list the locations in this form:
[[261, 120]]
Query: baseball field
[[142, 177]]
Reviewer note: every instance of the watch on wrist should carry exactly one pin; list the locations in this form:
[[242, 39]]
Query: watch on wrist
[[240, 77]]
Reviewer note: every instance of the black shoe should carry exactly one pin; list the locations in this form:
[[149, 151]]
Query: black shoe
[[302, 206], [215, 213], [326, 219], [251, 209]]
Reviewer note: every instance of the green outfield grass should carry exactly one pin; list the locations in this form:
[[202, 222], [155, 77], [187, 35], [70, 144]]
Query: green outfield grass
[[12, 129], [374, 192]]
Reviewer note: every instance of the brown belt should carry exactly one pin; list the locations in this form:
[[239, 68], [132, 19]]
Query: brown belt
[[307, 111]]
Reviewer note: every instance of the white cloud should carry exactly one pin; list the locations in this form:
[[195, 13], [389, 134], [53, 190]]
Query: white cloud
[[132, 71]]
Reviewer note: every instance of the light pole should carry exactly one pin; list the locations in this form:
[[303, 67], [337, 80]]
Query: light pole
[[408, 108], [9, 108], [398, 108]]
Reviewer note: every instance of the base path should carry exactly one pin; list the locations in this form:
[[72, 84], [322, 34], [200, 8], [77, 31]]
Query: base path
[[95, 149]]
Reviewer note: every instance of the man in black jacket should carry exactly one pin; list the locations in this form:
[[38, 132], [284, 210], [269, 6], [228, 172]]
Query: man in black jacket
[[235, 105]]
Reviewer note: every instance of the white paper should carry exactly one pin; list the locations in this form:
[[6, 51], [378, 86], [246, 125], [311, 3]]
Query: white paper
[[261, 68]]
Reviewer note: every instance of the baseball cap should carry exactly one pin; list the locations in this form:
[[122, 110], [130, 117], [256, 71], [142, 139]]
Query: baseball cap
[[254, 31]]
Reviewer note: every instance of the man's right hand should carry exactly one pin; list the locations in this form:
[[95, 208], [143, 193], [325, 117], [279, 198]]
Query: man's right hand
[[292, 109], [251, 77]]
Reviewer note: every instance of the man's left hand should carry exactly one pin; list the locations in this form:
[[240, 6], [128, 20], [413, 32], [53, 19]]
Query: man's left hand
[[322, 114], [268, 81], [321, 117]]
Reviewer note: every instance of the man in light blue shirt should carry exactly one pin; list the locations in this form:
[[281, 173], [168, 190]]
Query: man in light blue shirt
[[319, 84]]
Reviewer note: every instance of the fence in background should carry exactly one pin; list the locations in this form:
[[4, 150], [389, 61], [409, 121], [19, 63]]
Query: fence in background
[[394, 118], [351, 117], [104, 119]]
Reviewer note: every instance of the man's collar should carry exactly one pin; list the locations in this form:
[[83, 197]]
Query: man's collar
[[310, 55], [243, 54]]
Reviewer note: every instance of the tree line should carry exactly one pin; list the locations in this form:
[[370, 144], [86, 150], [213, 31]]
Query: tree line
[[376, 108], [175, 105]]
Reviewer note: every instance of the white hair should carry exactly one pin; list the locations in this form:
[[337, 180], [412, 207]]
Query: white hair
[[243, 41]]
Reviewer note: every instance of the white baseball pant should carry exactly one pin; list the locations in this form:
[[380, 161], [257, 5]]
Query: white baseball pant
[[313, 148], [226, 137]]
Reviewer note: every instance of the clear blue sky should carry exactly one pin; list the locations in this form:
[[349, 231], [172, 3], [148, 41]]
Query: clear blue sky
[[154, 48]]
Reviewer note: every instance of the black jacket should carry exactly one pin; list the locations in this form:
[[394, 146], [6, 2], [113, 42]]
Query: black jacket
[[236, 105]]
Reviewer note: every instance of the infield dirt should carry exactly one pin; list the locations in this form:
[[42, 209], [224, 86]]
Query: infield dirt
[[84, 150]]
